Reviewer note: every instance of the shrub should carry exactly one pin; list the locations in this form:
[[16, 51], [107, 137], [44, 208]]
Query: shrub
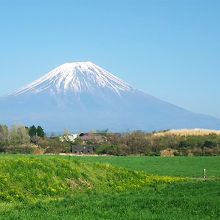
[[21, 149], [112, 150]]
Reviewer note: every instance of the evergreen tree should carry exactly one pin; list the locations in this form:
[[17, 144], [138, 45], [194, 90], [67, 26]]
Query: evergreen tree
[[33, 131], [40, 132]]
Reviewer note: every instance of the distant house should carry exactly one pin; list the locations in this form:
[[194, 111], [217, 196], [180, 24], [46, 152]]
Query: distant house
[[92, 138], [82, 149], [69, 137], [85, 136]]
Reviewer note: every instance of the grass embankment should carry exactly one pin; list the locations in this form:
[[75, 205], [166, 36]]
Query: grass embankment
[[32, 178], [64, 188]]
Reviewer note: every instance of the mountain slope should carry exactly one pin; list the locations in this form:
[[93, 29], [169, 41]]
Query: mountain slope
[[82, 97]]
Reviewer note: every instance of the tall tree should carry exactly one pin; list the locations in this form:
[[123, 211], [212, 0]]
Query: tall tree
[[19, 135], [40, 132], [33, 131], [4, 133]]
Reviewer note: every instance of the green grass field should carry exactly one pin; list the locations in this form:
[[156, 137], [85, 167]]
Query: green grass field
[[55, 187], [166, 166]]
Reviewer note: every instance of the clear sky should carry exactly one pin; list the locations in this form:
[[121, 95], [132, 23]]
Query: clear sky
[[167, 48]]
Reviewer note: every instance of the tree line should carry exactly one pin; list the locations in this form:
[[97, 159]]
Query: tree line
[[21, 139], [30, 140], [141, 143], [18, 138]]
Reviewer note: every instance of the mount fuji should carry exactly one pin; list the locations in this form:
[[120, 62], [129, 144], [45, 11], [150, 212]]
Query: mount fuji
[[82, 96]]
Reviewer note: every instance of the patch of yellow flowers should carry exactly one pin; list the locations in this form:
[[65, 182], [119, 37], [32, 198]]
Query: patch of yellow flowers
[[134, 180]]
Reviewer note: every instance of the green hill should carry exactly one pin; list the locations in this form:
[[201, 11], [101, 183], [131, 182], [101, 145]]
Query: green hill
[[32, 178]]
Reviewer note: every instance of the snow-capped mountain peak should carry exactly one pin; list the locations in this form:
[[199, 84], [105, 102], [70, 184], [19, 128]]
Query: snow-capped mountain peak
[[83, 97], [75, 77]]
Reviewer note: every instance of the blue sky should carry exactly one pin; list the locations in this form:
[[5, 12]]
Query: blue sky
[[167, 48]]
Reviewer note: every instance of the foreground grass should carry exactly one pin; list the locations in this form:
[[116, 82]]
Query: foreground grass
[[177, 201], [77, 188]]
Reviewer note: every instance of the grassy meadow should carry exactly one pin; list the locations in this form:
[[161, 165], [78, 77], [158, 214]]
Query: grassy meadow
[[59, 187], [164, 166]]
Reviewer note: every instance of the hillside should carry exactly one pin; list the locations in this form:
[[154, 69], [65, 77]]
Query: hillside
[[30, 179]]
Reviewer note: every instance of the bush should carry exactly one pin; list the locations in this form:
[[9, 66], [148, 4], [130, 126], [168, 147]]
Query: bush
[[55, 146], [112, 150], [21, 149]]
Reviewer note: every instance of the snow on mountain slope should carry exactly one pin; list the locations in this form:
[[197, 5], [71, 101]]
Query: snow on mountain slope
[[75, 77]]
